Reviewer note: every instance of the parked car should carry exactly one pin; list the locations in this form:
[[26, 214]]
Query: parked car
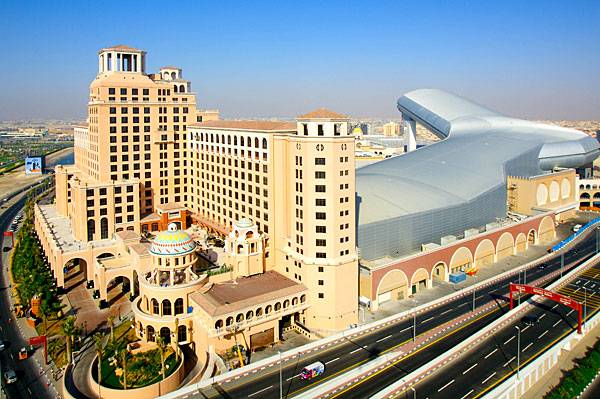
[[576, 228], [10, 376]]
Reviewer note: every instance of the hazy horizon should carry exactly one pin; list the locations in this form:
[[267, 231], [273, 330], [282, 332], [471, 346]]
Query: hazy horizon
[[534, 60]]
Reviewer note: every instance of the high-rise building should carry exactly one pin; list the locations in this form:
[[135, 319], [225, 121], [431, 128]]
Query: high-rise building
[[281, 194], [391, 129]]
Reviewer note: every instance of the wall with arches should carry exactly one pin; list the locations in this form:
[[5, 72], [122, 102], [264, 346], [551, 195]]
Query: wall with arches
[[397, 279], [589, 194], [552, 191]]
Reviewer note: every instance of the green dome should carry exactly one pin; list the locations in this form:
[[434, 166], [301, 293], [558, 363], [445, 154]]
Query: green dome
[[172, 243]]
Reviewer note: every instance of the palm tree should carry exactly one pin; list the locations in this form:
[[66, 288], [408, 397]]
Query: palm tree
[[45, 312], [111, 324], [69, 330], [123, 357], [176, 340], [162, 347], [99, 344]]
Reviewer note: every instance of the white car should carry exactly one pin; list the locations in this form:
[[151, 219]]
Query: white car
[[576, 228]]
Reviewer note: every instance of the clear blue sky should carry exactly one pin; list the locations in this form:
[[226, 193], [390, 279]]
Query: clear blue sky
[[533, 59]]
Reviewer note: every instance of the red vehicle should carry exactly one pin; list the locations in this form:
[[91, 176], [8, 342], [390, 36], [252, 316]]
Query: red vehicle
[[312, 370]]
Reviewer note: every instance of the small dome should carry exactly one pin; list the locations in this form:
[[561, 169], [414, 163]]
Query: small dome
[[244, 223], [172, 243]]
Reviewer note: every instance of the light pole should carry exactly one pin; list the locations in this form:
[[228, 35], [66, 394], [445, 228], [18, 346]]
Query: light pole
[[584, 306], [414, 321], [525, 276], [473, 300], [562, 263], [280, 378], [518, 351], [414, 392]]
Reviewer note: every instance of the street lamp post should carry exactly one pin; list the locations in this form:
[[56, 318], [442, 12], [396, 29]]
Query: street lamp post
[[280, 378], [473, 300], [414, 392], [518, 351], [415, 321], [562, 263], [584, 306]]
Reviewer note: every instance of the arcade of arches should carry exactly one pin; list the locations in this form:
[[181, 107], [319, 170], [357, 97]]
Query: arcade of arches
[[409, 276]]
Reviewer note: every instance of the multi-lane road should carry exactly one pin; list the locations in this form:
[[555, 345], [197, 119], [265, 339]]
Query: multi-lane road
[[352, 353], [30, 381], [493, 360]]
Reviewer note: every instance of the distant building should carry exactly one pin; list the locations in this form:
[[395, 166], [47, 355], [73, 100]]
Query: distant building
[[391, 129]]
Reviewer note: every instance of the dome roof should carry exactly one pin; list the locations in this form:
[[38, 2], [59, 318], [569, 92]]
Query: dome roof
[[172, 243], [244, 223]]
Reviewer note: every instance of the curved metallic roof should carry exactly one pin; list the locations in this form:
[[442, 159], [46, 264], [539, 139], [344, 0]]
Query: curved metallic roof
[[479, 148]]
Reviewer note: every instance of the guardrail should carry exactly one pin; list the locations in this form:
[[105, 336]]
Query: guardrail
[[350, 333], [468, 344], [567, 240]]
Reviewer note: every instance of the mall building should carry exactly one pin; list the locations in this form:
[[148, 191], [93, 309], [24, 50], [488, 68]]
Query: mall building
[[152, 170]]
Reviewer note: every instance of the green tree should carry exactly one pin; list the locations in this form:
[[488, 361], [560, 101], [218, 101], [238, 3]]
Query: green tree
[[162, 348], [99, 345], [69, 330], [45, 312]]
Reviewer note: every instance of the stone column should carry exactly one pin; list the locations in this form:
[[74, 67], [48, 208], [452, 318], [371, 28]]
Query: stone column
[[410, 130]]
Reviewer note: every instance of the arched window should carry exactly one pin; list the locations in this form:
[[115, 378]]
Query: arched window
[[165, 334], [104, 228], [256, 142], [179, 306], [154, 226], [219, 324], [268, 309], [264, 144], [294, 301], [173, 75], [181, 334], [182, 89], [277, 306], [229, 321], [249, 315], [150, 334], [302, 298], [229, 140], [175, 88], [155, 308], [166, 307], [248, 142], [259, 312], [91, 229], [239, 318], [234, 140], [286, 304]]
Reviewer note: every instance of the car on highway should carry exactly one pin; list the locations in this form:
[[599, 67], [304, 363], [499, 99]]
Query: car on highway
[[10, 376], [2, 345], [312, 370], [576, 228], [6, 249]]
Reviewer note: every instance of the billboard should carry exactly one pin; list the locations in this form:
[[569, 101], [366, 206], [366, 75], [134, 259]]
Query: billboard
[[34, 165]]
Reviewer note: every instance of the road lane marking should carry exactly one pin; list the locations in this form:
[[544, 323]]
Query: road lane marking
[[527, 347], [407, 328], [357, 349], [577, 289], [555, 306], [261, 391], [332, 360], [542, 316], [467, 394], [525, 329], [487, 379], [446, 311], [426, 320], [572, 310], [544, 333], [491, 353], [445, 386], [292, 377], [469, 369], [384, 338], [508, 340], [510, 360], [557, 323]]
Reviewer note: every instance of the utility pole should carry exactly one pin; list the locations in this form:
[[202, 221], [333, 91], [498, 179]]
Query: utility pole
[[562, 261], [473, 300], [584, 306], [414, 392], [415, 321], [280, 378], [518, 351]]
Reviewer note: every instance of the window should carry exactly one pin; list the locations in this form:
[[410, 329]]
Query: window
[[321, 215], [337, 129], [321, 243], [113, 110], [321, 295], [320, 269], [305, 129], [111, 90], [321, 255], [319, 175], [319, 161], [123, 91], [320, 188], [321, 282], [320, 131], [321, 229], [320, 202]]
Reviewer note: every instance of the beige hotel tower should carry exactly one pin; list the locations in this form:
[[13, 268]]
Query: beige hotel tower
[[148, 159]]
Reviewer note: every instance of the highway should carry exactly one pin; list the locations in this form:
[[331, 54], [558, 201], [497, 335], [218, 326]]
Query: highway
[[495, 359], [30, 384], [351, 353]]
